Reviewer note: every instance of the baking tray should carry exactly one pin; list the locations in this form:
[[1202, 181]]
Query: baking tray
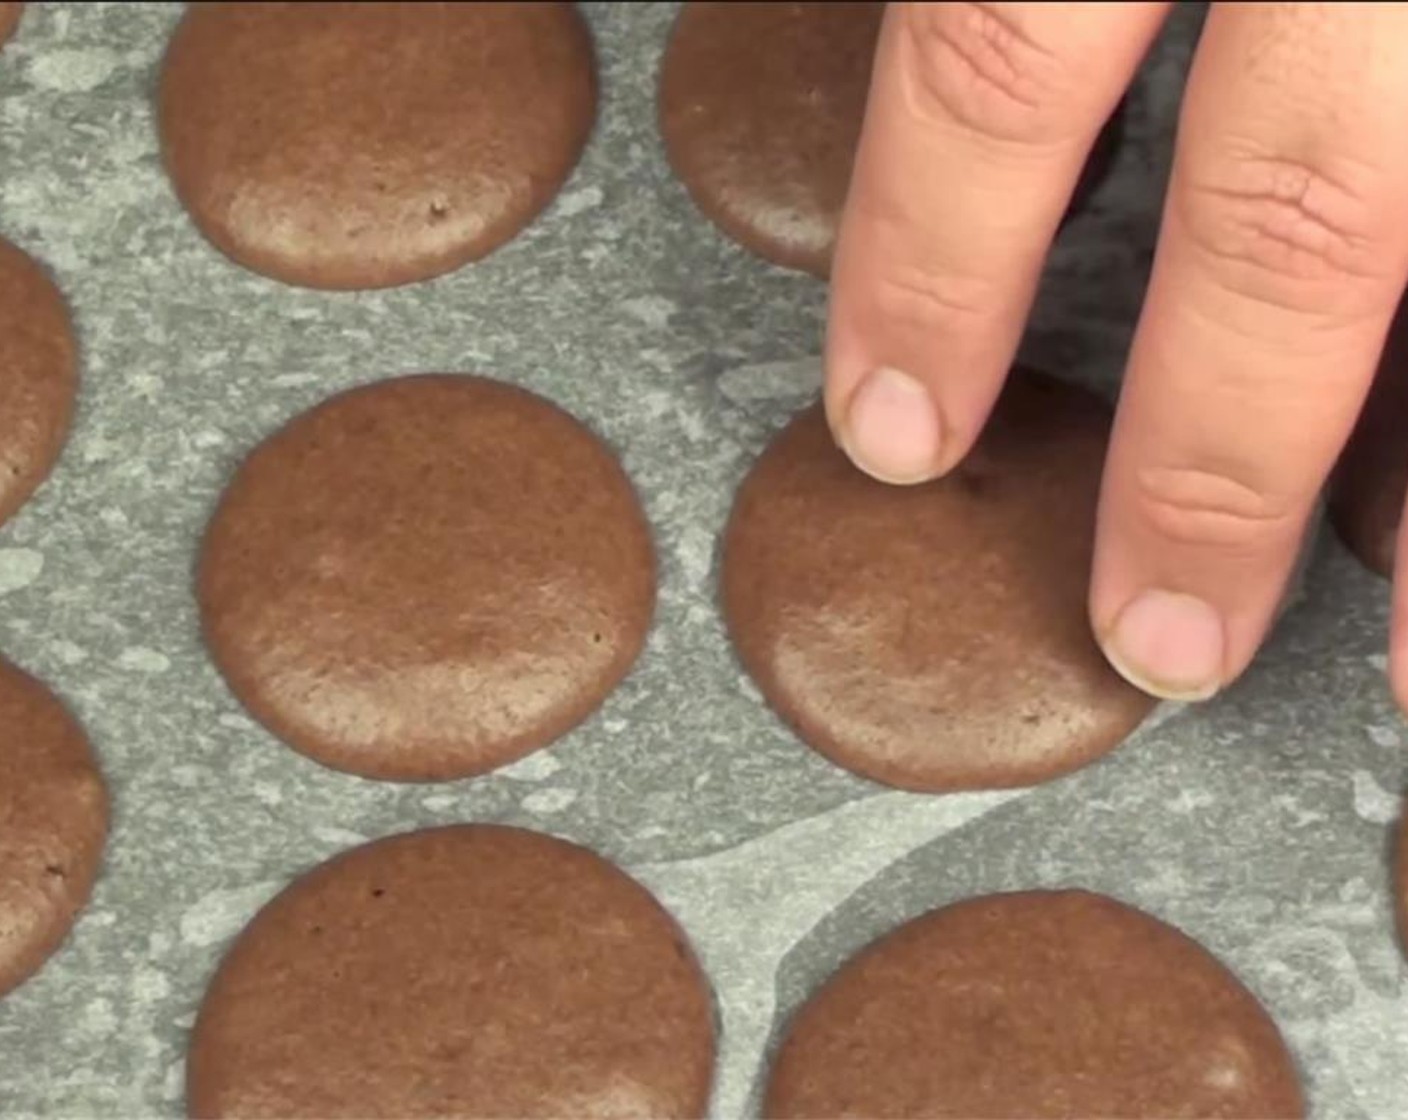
[[1258, 823]]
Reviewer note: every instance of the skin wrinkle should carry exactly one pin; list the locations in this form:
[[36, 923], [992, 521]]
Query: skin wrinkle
[[975, 65], [1001, 199], [1280, 226], [1212, 508]]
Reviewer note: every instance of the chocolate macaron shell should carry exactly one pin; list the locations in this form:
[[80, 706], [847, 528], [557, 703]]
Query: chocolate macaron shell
[[53, 824], [367, 145], [1040, 1005], [427, 577], [933, 637], [38, 376], [468, 971]]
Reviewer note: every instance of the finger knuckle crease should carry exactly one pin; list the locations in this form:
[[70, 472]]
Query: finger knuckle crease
[[972, 65], [1191, 506], [1281, 232], [911, 294]]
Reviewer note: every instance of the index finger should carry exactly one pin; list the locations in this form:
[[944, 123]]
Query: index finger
[[979, 121]]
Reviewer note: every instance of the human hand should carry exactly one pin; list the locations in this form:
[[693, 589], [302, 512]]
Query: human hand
[[1282, 257]]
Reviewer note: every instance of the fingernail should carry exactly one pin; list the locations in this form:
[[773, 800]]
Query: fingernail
[[1169, 645], [892, 429]]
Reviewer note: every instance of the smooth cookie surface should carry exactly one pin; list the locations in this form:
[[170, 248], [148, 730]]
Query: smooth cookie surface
[[427, 577], [38, 376], [53, 824], [1036, 1005], [471, 971], [933, 637], [366, 145]]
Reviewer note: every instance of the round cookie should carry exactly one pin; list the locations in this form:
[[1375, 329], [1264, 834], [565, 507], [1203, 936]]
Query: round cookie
[[427, 577], [1044, 1004], [366, 145], [10, 11], [1370, 482], [53, 824], [470, 971], [38, 377], [933, 637], [761, 108]]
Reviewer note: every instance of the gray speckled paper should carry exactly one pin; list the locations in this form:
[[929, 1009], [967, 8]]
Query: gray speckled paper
[[1259, 823]]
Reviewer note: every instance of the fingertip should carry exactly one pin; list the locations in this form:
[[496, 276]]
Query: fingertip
[[1168, 644], [891, 429]]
